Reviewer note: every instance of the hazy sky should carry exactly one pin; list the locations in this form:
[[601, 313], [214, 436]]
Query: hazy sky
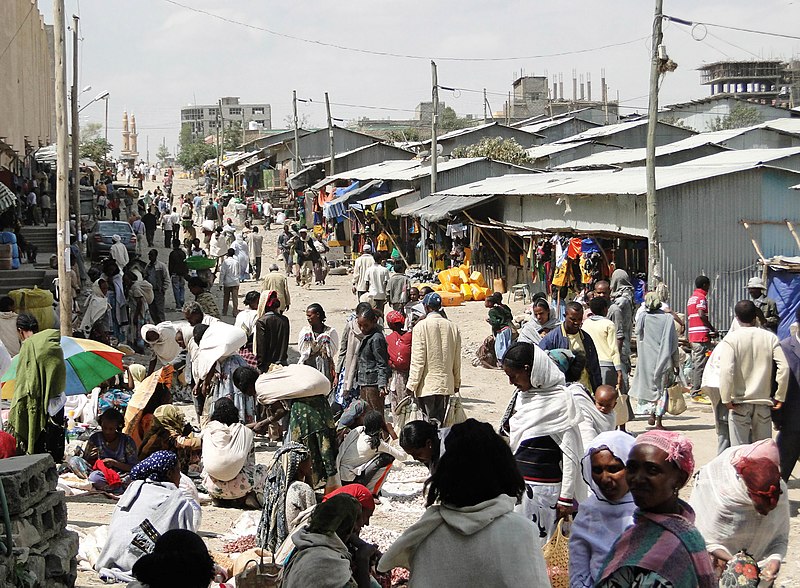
[[154, 56]]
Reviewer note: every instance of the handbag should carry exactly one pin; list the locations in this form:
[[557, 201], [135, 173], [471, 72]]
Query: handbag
[[407, 410], [556, 557], [455, 413], [741, 571], [676, 404], [260, 575]]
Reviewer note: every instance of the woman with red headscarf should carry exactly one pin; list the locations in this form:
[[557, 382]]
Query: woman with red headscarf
[[743, 505]]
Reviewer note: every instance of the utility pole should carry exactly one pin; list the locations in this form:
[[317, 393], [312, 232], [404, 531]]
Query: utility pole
[[484, 106], [426, 261], [243, 135], [147, 143], [296, 137], [653, 252], [62, 165], [76, 195], [219, 150], [105, 159], [508, 110], [330, 133]]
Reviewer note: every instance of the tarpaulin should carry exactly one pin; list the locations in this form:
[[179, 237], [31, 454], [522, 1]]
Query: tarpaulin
[[784, 288]]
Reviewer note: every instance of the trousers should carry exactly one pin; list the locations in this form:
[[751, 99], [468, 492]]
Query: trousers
[[178, 290], [228, 293], [748, 423], [789, 451], [434, 406], [699, 361]]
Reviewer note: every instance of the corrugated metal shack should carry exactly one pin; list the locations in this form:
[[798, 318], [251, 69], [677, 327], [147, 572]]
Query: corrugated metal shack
[[559, 128], [702, 211], [473, 135]]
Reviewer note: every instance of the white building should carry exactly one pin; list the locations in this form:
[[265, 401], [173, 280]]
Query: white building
[[204, 119]]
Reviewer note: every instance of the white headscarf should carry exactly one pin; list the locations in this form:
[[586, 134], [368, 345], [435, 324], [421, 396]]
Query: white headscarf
[[96, 308], [619, 444]]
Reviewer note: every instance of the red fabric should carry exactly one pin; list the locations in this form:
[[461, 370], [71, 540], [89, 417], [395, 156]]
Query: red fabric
[[698, 332], [574, 248], [399, 347], [357, 491], [8, 445], [112, 477], [395, 316]]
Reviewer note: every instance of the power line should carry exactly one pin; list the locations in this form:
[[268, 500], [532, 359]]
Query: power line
[[690, 23], [390, 54]]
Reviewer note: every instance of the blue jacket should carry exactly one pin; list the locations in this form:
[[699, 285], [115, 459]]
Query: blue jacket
[[557, 339]]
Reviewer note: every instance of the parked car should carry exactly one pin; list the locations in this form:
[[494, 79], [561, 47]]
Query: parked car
[[100, 239]]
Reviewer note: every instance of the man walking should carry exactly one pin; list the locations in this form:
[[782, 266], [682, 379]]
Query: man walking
[[44, 203], [139, 230], [787, 417], [157, 274], [570, 336], [150, 223], [700, 332], [276, 281], [229, 280], [197, 205], [267, 211], [179, 273], [255, 244], [166, 225], [285, 248], [435, 372], [363, 263], [377, 282], [746, 358], [766, 308]]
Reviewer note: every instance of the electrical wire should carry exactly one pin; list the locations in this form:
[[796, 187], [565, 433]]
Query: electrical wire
[[390, 54], [690, 23]]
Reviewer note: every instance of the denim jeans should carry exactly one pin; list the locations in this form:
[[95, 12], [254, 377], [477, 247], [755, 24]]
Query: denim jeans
[[178, 291]]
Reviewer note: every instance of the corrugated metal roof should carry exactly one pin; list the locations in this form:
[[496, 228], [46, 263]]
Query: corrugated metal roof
[[630, 181], [231, 161], [381, 198], [547, 150], [401, 169], [604, 131], [546, 124], [438, 207], [346, 153], [623, 156]]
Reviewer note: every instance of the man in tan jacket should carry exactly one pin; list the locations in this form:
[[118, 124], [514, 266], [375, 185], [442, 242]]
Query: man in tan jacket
[[435, 372], [275, 280], [746, 359]]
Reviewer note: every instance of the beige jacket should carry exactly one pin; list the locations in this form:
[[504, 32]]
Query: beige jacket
[[362, 264], [435, 357], [746, 358], [277, 281]]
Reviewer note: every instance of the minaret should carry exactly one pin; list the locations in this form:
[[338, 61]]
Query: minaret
[[134, 147], [126, 145]]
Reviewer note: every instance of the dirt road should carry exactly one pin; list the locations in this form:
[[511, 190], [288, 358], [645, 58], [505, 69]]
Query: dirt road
[[486, 394]]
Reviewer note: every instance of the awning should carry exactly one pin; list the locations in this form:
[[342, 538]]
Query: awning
[[380, 198], [258, 161], [438, 207], [7, 198], [231, 161]]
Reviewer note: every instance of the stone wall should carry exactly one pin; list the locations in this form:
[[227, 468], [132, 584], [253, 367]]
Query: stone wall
[[43, 548]]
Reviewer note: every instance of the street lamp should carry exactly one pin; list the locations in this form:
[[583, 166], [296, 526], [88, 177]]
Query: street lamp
[[100, 96]]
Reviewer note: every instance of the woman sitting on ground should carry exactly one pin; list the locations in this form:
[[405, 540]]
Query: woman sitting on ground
[[608, 511], [108, 453], [171, 432], [152, 505], [364, 457], [180, 558], [351, 417], [502, 323], [544, 320], [230, 473], [663, 548], [743, 505], [320, 557], [469, 534], [422, 441]]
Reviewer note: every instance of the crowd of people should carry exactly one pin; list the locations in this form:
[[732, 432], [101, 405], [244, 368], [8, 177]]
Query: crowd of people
[[385, 389]]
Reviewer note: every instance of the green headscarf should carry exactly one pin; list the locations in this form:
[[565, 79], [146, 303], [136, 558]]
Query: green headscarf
[[337, 515], [41, 376]]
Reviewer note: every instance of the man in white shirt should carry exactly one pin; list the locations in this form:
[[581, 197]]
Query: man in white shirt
[[229, 280], [746, 359], [377, 280], [166, 225], [198, 209], [255, 246], [363, 263], [267, 211]]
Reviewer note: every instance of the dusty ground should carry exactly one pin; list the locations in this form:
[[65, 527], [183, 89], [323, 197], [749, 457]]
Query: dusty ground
[[486, 394]]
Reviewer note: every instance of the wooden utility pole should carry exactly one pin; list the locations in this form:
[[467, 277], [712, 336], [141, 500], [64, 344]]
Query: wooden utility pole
[[296, 134], [62, 168], [484, 106], [330, 133], [434, 153], [219, 150], [653, 244], [76, 172]]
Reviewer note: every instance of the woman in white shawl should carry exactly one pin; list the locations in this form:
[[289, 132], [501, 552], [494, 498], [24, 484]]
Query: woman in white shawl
[[542, 422], [608, 510], [239, 245], [742, 504], [657, 347], [230, 472], [95, 322], [161, 339], [139, 293]]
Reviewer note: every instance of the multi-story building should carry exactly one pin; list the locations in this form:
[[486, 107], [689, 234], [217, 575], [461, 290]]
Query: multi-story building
[[204, 119], [772, 82]]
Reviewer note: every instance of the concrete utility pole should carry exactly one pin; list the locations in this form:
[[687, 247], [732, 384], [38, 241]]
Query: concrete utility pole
[[434, 149], [105, 158], [219, 150], [76, 172], [484, 106], [296, 134], [653, 243], [330, 133], [62, 165]]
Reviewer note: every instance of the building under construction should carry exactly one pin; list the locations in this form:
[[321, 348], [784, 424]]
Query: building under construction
[[772, 82]]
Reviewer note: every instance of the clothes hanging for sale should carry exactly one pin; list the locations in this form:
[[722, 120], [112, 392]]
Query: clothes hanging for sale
[[456, 231], [382, 242], [574, 248]]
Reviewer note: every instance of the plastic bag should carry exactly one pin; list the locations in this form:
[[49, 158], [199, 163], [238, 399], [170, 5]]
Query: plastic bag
[[676, 404], [556, 557]]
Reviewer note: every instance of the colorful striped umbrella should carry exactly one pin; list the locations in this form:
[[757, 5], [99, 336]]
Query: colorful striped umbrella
[[89, 363]]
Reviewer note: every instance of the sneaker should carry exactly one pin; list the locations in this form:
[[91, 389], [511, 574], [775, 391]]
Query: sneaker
[[700, 398]]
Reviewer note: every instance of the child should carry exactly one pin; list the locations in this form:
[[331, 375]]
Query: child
[[372, 375], [399, 347], [108, 453]]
